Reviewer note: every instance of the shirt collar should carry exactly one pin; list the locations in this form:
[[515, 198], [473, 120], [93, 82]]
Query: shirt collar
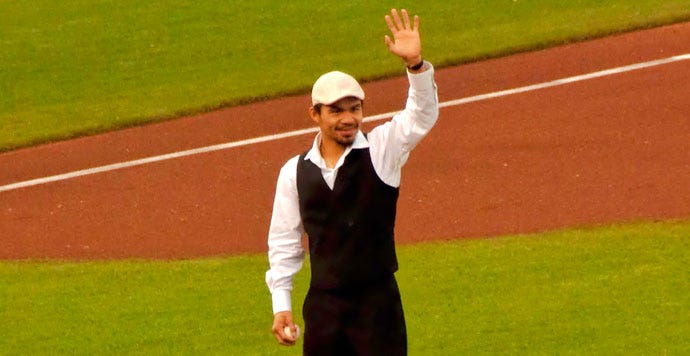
[[314, 153]]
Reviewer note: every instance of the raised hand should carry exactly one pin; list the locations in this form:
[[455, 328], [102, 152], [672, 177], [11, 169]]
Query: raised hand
[[406, 42]]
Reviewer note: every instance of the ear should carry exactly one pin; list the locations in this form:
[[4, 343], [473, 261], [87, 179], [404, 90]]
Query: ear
[[314, 115]]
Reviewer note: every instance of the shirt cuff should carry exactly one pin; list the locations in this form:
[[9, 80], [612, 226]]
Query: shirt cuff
[[423, 80], [281, 300]]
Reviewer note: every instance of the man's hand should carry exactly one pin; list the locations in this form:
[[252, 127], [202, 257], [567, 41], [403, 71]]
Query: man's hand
[[406, 42], [280, 321]]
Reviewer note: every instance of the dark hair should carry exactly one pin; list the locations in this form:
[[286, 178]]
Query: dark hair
[[317, 107]]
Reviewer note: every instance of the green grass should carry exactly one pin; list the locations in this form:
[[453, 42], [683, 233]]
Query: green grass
[[84, 66], [620, 290], [615, 290]]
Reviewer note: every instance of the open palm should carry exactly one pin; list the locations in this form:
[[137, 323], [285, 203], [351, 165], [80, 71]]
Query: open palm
[[406, 42]]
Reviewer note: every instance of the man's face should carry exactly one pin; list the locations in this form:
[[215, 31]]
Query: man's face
[[340, 121]]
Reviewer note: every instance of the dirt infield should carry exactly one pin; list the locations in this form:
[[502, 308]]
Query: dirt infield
[[610, 149]]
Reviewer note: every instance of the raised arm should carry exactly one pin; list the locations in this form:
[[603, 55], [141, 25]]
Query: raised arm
[[392, 141]]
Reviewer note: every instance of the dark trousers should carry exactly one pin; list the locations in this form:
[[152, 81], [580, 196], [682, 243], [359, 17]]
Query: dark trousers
[[367, 320]]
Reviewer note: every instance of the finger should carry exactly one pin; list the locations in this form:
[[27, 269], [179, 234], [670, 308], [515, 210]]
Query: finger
[[293, 332], [282, 338], [278, 336], [389, 43], [396, 19], [416, 23], [390, 24], [406, 19], [289, 340]]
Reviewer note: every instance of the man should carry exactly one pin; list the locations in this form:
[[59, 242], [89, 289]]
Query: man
[[342, 193]]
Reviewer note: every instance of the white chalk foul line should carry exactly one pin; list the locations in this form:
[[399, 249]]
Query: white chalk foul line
[[224, 146], [567, 80], [152, 159]]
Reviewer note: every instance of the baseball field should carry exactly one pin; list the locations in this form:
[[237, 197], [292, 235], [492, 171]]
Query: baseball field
[[555, 220]]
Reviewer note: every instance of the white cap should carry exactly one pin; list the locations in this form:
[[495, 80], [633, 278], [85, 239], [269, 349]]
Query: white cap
[[334, 86]]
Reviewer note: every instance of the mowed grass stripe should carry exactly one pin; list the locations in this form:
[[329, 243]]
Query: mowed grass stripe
[[608, 290]]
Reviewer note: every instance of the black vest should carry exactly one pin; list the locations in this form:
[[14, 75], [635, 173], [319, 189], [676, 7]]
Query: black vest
[[350, 228]]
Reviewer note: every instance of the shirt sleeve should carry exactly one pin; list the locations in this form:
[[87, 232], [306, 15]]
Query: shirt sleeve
[[391, 142], [285, 252]]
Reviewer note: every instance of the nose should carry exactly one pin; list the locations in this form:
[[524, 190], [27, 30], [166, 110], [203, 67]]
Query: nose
[[349, 119]]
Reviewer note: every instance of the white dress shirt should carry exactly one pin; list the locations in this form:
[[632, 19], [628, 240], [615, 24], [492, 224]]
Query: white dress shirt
[[389, 145]]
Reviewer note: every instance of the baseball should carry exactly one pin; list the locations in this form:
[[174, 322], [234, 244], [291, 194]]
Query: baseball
[[288, 332]]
